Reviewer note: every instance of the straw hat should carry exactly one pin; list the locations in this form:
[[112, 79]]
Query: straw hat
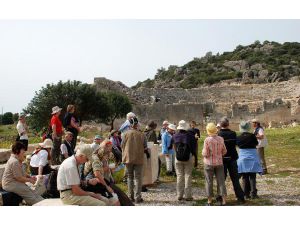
[[182, 125], [255, 121], [46, 144], [245, 126], [56, 109], [165, 122], [211, 129]]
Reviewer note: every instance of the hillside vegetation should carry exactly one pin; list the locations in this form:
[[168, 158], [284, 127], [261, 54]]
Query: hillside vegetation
[[256, 63]]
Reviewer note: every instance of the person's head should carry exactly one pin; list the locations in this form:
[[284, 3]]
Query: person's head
[[171, 128], [244, 126], [130, 115], [18, 149], [165, 124], [69, 136], [56, 110], [71, 108], [183, 125], [106, 145], [152, 125], [224, 122], [47, 144], [98, 139], [114, 133], [83, 153], [22, 117], [193, 124], [255, 123], [211, 129], [134, 122]]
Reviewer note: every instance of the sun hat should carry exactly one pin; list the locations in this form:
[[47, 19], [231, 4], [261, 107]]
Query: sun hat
[[56, 109], [255, 121], [130, 115], [244, 126], [86, 150], [98, 137], [211, 129], [172, 127], [165, 122], [47, 143], [21, 115], [182, 125]]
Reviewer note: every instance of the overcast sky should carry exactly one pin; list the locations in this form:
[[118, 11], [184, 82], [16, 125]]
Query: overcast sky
[[34, 53]]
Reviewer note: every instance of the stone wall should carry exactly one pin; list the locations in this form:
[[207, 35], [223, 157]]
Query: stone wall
[[279, 101]]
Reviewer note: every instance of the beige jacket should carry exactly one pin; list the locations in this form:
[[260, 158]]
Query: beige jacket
[[133, 146]]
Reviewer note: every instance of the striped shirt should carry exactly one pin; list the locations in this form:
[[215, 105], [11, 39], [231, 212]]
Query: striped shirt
[[213, 150]]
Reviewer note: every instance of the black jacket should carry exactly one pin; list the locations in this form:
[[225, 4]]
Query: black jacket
[[229, 137], [247, 140]]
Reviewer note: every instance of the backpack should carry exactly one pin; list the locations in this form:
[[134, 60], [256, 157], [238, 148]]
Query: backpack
[[51, 186], [182, 152]]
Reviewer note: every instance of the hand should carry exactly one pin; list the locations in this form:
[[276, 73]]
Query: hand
[[32, 180], [110, 189], [167, 155], [93, 181], [94, 195]]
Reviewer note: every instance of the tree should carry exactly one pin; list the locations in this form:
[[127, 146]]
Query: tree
[[89, 104], [7, 118], [16, 117], [119, 106]]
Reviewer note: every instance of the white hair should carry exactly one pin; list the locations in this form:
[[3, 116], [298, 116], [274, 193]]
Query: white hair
[[130, 115]]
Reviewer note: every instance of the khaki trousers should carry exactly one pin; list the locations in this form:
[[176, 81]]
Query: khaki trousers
[[184, 177], [29, 196], [135, 172], [69, 198], [261, 153], [209, 172]]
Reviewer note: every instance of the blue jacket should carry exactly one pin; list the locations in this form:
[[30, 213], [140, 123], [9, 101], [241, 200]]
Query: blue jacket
[[167, 147]]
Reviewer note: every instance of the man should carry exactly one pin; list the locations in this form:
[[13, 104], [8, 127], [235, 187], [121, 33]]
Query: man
[[167, 149], [68, 180], [22, 129], [262, 143], [133, 146], [230, 158], [57, 132], [196, 132], [67, 147], [163, 130], [97, 141]]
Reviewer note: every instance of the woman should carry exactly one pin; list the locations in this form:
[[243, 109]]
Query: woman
[[248, 161], [71, 123], [213, 151], [101, 168], [22, 131], [116, 148], [39, 162], [14, 179]]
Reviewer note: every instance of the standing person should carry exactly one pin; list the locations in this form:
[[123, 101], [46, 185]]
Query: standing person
[[114, 138], [230, 158], [248, 162], [22, 129], [126, 125], [184, 145], [150, 132], [68, 181], [262, 143], [167, 148], [57, 132], [196, 132], [163, 130], [213, 151], [39, 162], [14, 178], [71, 123], [133, 146], [67, 147]]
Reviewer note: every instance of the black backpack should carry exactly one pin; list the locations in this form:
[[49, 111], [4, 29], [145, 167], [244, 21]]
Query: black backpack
[[182, 152]]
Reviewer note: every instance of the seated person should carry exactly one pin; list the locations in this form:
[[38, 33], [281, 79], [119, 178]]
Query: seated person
[[39, 162], [101, 169], [97, 141], [14, 179], [67, 148], [69, 182]]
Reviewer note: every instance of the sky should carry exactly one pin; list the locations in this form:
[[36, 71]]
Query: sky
[[34, 53]]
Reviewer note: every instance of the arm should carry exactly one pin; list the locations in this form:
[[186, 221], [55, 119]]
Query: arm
[[260, 134], [73, 124], [164, 144], [79, 192], [205, 150], [23, 179], [224, 150], [54, 135]]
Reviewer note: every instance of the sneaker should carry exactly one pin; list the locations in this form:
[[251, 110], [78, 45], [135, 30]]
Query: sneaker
[[139, 200], [180, 198]]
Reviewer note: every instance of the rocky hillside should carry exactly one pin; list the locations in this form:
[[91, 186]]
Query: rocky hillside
[[265, 62]]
